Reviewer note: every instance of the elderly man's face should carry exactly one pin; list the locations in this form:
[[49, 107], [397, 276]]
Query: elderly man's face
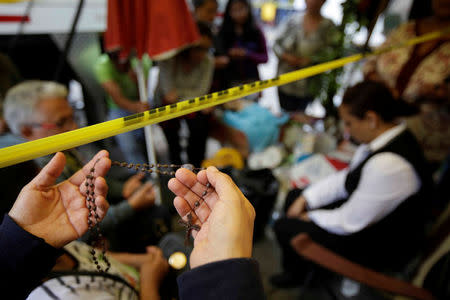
[[52, 116]]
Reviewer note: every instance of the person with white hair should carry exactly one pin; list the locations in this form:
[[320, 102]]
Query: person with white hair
[[23, 108], [37, 109]]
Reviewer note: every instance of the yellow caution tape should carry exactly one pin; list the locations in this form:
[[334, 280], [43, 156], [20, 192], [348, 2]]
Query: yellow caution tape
[[31, 150]]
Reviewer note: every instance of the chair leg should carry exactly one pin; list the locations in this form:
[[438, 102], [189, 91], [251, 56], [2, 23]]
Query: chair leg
[[330, 292], [307, 283]]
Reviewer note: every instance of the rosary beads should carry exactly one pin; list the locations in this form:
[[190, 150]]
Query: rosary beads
[[94, 221], [168, 169], [155, 168]]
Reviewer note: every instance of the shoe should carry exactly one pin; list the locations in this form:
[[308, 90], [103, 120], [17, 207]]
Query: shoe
[[285, 280]]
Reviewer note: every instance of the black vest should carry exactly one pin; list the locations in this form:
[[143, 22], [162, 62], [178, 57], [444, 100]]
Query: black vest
[[400, 233]]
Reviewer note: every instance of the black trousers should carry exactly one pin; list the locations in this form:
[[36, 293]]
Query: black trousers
[[198, 133], [287, 228], [379, 252], [291, 103]]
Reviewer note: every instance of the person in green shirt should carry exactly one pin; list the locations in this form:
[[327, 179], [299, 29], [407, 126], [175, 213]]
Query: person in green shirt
[[118, 79]]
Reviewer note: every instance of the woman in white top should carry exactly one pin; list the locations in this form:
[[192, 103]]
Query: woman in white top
[[373, 211]]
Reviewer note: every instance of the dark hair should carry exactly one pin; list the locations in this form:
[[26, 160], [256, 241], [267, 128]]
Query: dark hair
[[199, 3], [204, 29], [375, 96], [227, 35]]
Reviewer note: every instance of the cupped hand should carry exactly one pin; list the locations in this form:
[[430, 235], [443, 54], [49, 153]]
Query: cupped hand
[[143, 198], [226, 217], [58, 213], [155, 267], [132, 184], [138, 107], [237, 52]]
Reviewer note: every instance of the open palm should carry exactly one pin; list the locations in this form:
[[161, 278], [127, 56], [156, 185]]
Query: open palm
[[58, 213], [224, 214]]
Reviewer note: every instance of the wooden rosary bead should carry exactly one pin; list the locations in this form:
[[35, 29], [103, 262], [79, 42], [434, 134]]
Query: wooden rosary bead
[[93, 225]]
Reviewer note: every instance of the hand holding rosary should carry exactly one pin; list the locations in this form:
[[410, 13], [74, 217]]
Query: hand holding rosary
[[94, 220]]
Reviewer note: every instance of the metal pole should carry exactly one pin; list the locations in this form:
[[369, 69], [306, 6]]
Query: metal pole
[[66, 50], [19, 33], [142, 85]]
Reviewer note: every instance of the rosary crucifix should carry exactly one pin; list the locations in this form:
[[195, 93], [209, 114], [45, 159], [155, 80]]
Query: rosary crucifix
[[189, 227]]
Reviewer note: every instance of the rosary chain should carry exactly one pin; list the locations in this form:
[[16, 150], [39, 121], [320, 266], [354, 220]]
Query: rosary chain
[[94, 221], [156, 168]]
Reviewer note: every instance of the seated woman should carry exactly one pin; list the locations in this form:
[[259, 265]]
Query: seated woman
[[379, 201], [131, 276], [418, 74], [185, 76]]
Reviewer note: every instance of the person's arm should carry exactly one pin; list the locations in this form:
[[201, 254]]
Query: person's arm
[[24, 259], [152, 273], [103, 70], [285, 43], [386, 180], [327, 190], [260, 56], [44, 218], [280, 44], [132, 184], [113, 89], [396, 37], [221, 259], [205, 82], [166, 77], [237, 278], [142, 198], [116, 188], [135, 260]]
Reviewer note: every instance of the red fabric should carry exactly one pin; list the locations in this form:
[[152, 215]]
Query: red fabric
[[114, 29], [337, 164], [15, 19], [149, 26], [171, 26]]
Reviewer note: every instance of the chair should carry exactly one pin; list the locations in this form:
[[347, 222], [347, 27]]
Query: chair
[[436, 245], [322, 256]]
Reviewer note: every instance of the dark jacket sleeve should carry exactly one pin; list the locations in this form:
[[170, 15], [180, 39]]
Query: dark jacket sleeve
[[24, 260], [260, 56], [237, 278]]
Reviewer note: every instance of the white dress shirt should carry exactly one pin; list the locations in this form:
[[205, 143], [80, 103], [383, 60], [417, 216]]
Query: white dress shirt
[[386, 180]]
